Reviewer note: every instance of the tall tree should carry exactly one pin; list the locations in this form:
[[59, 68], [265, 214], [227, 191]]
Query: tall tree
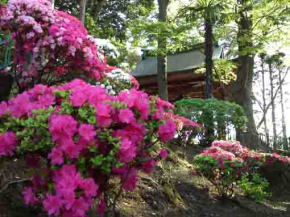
[[259, 23], [241, 89], [83, 6], [276, 64], [209, 13], [270, 62], [162, 56], [264, 103], [284, 130], [112, 18], [208, 47]]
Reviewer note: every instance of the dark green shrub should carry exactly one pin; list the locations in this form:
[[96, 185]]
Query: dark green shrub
[[219, 118]]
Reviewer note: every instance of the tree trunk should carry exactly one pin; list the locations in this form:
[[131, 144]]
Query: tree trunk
[[285, 141], [273, 105], [162, 57], [52, 3], [82, 16], [6, 82], [264, 99], [241, 89], [208, 52]]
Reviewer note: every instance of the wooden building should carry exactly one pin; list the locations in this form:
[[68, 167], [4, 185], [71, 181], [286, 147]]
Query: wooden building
[[183, 81]]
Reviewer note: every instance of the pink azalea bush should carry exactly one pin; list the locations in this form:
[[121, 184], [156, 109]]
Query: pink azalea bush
[[88, 137], [226, 162], [50, 45], [83, 139]]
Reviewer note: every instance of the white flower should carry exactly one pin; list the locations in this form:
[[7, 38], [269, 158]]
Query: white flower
[[30, 35]]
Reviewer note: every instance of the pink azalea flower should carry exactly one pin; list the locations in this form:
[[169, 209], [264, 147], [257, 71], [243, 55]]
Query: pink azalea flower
[[149, 166], [142, 104], [71, 150], [103, 115], [135, 131], [128, 177], [167, 131], [29, 196], [38, 181], [80, 207], [3, 108], [8, 142], [62, 127], [163, 153], [126, 116], [52, 204], [101, 208], [79, 96], [127, 151], [56, 156], [89, 187], [130, 180], [20, 105], [164, 104], [128, 97], [87, 131]]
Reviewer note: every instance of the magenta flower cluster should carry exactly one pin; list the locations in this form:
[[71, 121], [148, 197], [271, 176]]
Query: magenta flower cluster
[[233, 150], [85, 136], [49, 43], [8, 142], [93, 137], [226, 162]]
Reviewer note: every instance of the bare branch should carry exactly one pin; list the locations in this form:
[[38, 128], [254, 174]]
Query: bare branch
[[11, 183], [276, 92]]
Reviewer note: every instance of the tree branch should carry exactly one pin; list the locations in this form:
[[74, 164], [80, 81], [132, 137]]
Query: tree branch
[[276, 92], [11, 183]]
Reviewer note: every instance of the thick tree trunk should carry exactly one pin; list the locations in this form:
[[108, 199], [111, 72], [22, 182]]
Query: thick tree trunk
[[162, 57], [241, 89], [273, 105], [208, 52], [83, 6], [284, 130]]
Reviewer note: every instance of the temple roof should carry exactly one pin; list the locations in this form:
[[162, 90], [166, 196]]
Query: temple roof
[[179, 62]]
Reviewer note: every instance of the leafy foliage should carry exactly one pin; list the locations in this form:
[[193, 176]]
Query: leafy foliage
[[255, 187], [217, 116], [223, 71]]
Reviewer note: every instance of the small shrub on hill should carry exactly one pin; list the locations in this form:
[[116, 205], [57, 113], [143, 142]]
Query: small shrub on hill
[[228, 164]]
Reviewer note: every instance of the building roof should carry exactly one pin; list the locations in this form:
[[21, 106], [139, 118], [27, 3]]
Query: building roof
[[178, 62]]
